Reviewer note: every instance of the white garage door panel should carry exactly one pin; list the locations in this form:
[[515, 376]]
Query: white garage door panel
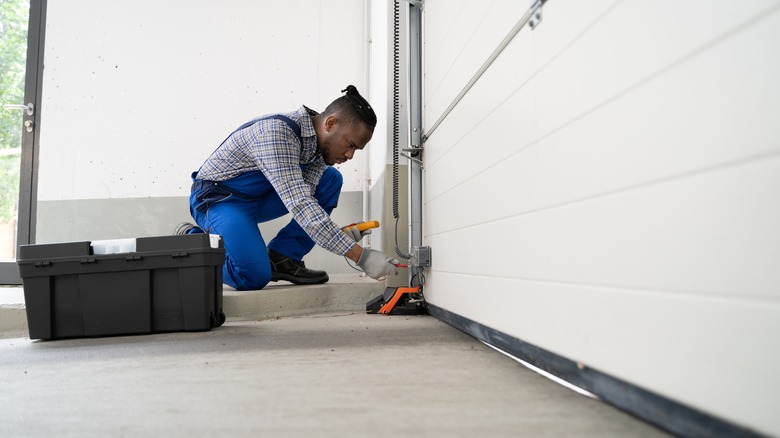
[[515, 66], [711, 233], [454, 23], [609, 190], [480, 28], [637, 40], [627, 334], [487, 126], [636, 139], [646, 132]]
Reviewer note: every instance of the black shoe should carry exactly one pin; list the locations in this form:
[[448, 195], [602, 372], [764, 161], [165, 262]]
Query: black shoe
[[285, 268], [184, 228]]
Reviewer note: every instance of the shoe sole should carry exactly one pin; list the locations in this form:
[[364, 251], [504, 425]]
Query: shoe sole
[[276, 276]]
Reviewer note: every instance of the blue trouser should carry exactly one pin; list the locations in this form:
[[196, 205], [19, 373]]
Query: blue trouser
[[233, 208]]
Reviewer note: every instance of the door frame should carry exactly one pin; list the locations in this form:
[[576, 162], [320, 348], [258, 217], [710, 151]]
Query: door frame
[[28, 179]]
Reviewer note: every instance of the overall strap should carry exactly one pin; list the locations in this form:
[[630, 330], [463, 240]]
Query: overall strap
[[296, 128]]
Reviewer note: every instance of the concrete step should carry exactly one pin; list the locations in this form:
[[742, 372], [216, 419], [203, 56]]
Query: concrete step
[[343, 293], [13, 318]]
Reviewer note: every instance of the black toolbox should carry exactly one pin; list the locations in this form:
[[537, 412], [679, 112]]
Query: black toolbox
[[164, 284]]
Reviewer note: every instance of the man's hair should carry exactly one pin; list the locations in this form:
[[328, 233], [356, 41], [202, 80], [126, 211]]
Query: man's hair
[[352, 107]]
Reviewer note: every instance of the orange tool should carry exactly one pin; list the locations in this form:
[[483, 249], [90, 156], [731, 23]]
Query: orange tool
[[364, 225], [397, 301], [385, 310]]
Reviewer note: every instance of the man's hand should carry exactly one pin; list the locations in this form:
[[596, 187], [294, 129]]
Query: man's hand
[[353, 232], [375, 264]]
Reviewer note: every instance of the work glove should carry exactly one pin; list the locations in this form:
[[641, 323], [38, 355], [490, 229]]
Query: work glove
[[376, 264], [353, 232]]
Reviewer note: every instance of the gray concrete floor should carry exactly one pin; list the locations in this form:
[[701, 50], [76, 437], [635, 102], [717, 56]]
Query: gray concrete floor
[[346, 374]]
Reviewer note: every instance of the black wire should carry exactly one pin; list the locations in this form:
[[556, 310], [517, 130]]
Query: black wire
[[351, 266], [397, 248]]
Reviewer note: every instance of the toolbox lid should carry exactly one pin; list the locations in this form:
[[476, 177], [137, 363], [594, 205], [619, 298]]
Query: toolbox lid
[[53, 250], [49, 251]]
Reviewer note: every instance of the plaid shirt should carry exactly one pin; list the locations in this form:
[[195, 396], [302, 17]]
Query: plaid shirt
[[273, 148]]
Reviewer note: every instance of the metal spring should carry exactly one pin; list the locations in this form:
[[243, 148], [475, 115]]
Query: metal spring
[[396, 98]]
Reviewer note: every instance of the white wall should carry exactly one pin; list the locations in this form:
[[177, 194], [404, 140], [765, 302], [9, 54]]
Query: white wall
[[137, 94], [609, 189]]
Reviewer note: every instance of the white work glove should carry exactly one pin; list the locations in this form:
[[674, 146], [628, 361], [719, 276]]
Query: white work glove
[[376, 264], [353, 232]]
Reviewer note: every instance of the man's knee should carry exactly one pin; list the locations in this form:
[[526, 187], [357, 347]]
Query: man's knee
[[329, 187]]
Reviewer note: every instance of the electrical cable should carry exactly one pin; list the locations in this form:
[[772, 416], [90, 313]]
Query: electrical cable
[[352, 266], [397, 250]]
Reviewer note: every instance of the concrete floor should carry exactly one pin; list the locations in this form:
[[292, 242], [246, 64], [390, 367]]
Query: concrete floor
[[336, 374]]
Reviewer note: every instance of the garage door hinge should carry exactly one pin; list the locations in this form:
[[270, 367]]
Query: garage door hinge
[[417, 3], [536, 13]]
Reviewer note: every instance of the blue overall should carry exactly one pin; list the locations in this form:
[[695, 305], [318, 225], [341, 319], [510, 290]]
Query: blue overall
[[233, 208]]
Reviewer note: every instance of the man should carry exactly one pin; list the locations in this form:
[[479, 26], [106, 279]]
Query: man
[[277, 164]]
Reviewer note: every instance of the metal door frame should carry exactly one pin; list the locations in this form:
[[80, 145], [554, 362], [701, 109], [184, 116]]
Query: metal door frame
[[28, 180]]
